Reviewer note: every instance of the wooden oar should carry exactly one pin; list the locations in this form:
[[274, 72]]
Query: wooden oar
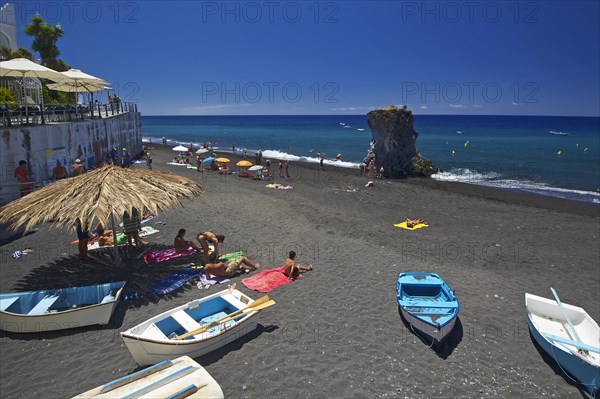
[[236, 314], [564, 312], [223, 320]]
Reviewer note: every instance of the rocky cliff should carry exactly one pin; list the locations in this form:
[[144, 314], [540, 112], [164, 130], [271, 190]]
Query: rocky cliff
[[393, 144]]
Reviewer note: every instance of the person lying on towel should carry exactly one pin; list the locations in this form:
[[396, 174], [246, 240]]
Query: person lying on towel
[[414, 222], [181, 245], [230, 269], [291, 269]]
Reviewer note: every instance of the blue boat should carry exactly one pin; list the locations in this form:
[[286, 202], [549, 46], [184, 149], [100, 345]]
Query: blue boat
[[58, 309], [427, 303], [569, 335]]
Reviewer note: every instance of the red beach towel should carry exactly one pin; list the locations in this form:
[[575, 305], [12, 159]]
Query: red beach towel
[[267, 280], [166, 254]]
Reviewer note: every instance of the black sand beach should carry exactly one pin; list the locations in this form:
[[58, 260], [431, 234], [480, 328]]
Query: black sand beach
[[336, 332]]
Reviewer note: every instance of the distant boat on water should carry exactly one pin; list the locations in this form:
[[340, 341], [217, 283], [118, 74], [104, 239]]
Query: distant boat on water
[[459, 132], [360, 129], [347, 126], [559, 133]]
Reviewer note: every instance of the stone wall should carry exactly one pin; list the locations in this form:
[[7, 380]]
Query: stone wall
[[88, 140]]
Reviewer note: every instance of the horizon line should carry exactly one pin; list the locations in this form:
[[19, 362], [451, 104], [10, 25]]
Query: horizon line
[[541, 116]]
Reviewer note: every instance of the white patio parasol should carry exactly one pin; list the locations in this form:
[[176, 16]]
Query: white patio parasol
[[180, 148], [24, 68], [79, 82]]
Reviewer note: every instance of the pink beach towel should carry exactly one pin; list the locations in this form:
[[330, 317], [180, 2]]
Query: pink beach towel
[[166, 254], [267, 280]]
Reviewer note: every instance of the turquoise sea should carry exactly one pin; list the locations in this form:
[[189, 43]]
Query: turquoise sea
[[556, 156]]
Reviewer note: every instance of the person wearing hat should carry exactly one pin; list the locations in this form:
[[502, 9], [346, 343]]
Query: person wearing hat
[[22, 179], [125, 158], [78, 168]]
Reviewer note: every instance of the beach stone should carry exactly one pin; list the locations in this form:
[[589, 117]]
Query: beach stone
[[393, 144]]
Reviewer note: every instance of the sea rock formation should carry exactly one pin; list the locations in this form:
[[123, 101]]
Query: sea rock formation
[[393, 144]]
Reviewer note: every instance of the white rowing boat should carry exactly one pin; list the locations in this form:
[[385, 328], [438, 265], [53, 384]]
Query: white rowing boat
[[58, 309], [193, 329], [569, 335], [179, 378]]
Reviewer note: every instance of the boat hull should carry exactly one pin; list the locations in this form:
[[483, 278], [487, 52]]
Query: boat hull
[[50, 320], [437, 334], [149, 342], [181, 378], [146, 352], [544, 317]]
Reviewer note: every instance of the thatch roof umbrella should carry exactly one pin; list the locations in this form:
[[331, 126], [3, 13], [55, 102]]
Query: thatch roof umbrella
[[99, 195]]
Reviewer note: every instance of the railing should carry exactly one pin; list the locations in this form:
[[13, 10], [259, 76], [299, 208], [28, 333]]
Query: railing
[[41, 114]]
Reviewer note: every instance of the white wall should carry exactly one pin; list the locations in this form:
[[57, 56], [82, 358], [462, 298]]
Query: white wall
[[79, 139]]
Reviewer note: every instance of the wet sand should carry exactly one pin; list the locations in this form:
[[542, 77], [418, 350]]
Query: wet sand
[[337, 331]]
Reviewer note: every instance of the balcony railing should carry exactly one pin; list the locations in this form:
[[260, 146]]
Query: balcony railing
[[37, 114]]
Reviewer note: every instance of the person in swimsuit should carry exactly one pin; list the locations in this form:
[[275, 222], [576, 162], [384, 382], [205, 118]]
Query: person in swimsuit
[[230, 269], [291, 269], [83, 235], [413, 222], [181, 245], [209, 237]]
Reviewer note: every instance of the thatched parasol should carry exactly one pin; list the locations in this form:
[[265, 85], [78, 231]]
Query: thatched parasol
[[97, 195]]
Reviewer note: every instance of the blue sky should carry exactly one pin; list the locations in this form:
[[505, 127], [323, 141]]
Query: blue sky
[[344, 57]]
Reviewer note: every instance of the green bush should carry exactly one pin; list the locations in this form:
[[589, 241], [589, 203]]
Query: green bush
[[6, 97]]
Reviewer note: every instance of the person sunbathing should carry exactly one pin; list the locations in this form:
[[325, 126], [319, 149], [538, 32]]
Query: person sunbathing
[[209, 237], [105, 236], [291, 269], [414, 222], [100, 232], [181, 245], [234, 267]]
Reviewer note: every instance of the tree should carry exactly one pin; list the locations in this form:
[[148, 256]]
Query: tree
[[6, 97], [5, 53], [25, 53], [45, 38]]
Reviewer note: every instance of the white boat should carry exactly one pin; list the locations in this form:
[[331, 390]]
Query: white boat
[[58, 309], [193, 329], [360, 129], [179, 378], [576, 349], [558, 133]]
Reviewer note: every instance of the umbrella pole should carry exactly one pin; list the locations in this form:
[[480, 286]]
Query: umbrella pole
[[114, 227]]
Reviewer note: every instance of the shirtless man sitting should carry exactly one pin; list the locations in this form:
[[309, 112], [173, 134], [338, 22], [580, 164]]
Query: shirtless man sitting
[[104, 237], [209, 237], [181, 245], [291, 269], [221, 269]]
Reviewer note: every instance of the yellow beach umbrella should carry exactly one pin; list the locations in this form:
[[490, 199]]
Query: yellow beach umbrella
[[243, 162], [222, 160]]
